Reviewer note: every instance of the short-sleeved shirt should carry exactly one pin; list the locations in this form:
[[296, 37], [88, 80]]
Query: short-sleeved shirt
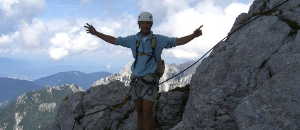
[[143, 67]]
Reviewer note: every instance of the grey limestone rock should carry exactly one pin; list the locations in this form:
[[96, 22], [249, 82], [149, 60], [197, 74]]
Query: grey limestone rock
[[90, 108]]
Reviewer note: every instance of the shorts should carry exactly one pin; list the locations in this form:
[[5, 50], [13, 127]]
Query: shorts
[[142, 89]]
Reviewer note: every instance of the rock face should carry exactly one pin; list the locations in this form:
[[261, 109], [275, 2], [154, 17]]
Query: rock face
[[170, 107], [87, 106], [34, 110], [251, 81]]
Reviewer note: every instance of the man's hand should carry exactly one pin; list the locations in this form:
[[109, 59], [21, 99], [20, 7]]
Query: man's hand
[[90, 29], [186, 39], [198, 32]]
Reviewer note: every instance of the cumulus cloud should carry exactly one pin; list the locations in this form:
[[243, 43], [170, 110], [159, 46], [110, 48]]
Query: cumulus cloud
[[15, 12], [8, 43], [57, 53], [5, 39], [16, 32], [29, 36], [180, 53], [33, 35], [73, 41], [14, 8], [61, 38]]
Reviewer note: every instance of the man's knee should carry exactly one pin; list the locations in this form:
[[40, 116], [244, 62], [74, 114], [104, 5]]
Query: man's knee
[[147, 108], [139, 106]]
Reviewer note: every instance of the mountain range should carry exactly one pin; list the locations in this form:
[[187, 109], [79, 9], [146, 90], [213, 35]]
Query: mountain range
[[81, 79], [33, 69], [11, 88]]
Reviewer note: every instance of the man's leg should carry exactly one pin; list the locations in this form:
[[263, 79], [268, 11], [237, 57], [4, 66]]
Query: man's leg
[[148, 119], [139, 111]]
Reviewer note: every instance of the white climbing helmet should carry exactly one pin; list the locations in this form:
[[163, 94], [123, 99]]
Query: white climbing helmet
[[145, 16]]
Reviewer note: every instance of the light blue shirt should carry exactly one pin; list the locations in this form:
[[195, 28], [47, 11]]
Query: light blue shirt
[[142, 67]]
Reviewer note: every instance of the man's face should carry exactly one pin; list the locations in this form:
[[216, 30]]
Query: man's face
[[145, 26]]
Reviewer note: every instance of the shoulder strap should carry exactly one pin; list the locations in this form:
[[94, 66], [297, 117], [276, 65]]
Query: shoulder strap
[[153, 46], [153, 42], [137, 43]]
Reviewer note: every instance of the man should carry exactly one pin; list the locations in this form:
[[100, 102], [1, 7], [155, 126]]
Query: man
[[146, 48]]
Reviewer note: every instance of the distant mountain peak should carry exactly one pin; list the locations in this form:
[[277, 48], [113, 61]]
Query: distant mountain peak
[[170, 70], [81, 79]]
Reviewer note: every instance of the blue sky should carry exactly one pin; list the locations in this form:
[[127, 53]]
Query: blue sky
[[49, 33]]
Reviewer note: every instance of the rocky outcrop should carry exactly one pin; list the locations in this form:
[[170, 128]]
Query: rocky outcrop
[[250, 81], [170, 107], [96, 109]]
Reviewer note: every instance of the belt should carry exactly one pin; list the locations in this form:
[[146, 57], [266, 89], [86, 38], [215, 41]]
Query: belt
[[148, 79]]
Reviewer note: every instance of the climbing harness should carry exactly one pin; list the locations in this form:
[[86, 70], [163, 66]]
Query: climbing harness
[[149, 80], [128, 97]]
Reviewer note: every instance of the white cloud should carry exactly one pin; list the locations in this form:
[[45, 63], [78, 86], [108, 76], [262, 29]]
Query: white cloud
[[29, 37], [236, 8], [33, 35], [8, 43], [6, 6], [5, 39], [61, 38], [180, 53], [58, 53], [15, 12], [72, 42], [19, 7], [74, 39]]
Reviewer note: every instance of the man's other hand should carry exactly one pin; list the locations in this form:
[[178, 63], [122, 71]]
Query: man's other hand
[[90, 29], [198, 32]]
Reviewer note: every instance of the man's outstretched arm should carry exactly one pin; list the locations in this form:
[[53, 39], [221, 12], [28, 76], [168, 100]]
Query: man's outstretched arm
[[90, 29], [186, 39]]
